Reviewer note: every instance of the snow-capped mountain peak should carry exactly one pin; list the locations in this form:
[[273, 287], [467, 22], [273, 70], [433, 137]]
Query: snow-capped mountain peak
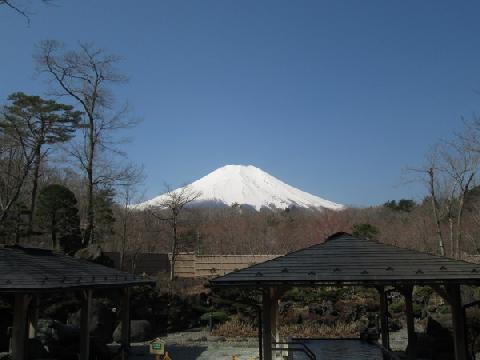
[[249, 185]]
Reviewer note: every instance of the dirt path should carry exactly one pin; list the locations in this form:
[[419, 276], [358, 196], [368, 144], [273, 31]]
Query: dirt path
[[199, 345]]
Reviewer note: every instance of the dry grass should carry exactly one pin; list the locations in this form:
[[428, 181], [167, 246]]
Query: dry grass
[[313, 329], [238, 328], [235, 328]]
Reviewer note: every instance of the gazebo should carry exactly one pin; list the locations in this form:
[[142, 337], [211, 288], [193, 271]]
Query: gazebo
[[27, 272], [347, 260]]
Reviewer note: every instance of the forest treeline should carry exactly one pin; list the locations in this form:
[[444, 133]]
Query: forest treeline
[[66, 183]]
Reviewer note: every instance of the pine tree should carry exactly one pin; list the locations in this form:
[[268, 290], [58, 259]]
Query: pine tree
[[33, 124]]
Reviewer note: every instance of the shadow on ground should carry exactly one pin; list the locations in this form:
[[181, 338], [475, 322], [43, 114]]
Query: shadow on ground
[[186, 352]]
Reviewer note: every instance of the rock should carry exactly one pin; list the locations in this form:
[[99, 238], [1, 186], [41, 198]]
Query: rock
[[394, 325], [369, 335], [63, 352], [46, 331], [102, 321], [443, 340], [425, 346], [101, 350], [94, 254], [66, 334], [35, 349], [140, 330], [467, 294], [4, 342], [5, 322]]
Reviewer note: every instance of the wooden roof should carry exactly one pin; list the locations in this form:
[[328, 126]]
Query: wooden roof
[[344, 259], [28, 269]]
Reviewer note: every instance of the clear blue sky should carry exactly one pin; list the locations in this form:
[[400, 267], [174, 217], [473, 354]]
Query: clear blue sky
[[333, 97]]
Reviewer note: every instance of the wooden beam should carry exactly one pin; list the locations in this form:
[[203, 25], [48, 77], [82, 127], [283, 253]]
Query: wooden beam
[[384, 317], [19, 331], [85, 315], [267, 324], [125, 311], [458, 321]]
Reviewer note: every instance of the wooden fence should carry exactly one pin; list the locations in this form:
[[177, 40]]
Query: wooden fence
[[188, 265], [201, 266]]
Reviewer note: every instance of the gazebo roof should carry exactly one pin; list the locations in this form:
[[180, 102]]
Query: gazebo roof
[[345, 259], [31, 269]]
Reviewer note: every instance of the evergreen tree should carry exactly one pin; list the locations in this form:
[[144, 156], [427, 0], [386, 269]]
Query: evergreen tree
[[104, 218], [364, 231], [34, 124], [58, 214], [404, 205]]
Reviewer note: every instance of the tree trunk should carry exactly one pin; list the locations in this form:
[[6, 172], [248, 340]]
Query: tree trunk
[[451, 235], [88, 237], [54, 233], [174, 248], [124, 235], [435, 212], [16, 192], [461, 205], [36, 172]]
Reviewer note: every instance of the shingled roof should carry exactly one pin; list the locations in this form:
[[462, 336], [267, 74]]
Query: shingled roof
[[31, 269], [345, 259]]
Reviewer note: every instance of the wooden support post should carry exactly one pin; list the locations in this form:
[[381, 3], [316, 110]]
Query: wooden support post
[[19, 331], [412, 337], [85, 315], [458, 321], [125, 311], [267, 325], [384, 317], [33, 317], [260, 333], [274, 295]]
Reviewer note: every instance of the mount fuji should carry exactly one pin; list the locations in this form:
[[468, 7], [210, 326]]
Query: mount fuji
[[248, 185]]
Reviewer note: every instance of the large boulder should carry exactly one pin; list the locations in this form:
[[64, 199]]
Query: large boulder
[[140, 330], [60, 340], [5, 322], [425, 346], [102, 321], [94, 254], [35, 349], [442, 337]]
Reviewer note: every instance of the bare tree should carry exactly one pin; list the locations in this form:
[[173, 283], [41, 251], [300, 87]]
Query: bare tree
[[16, 162], [169, 209], [20, 7], [127, 193], [460, 164], [85, 76], [449, 174], [429, 174]]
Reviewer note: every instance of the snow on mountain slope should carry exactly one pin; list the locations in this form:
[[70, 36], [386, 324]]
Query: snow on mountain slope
[[252, 186]]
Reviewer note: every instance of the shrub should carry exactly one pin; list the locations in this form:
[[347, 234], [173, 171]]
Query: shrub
[[397, 306], [217, 316]]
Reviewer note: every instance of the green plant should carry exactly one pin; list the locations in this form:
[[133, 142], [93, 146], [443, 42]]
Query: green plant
[[217, 316], [397, 306]]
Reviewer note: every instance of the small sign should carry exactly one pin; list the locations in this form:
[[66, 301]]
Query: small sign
[[157, 347]]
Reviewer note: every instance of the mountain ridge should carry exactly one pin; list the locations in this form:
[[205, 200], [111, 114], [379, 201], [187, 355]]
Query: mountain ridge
[[249, 185]]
